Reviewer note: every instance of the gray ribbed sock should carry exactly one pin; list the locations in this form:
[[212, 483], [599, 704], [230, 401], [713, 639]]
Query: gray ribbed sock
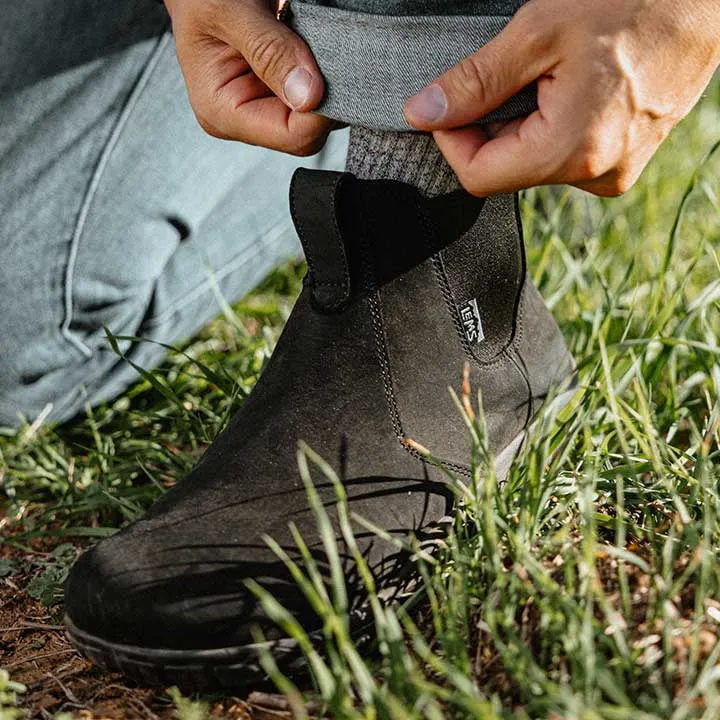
[[412, 158]]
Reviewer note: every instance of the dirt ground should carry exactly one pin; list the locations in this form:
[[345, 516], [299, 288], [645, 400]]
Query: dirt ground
[[36, 653]]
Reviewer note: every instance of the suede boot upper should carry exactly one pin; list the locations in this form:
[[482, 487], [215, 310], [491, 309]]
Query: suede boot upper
[[402, 290]]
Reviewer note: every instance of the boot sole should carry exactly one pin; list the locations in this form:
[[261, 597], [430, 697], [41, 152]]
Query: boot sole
[[237, 667], [190, 670]]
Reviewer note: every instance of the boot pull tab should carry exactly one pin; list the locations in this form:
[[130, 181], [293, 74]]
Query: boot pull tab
[[314, 199]]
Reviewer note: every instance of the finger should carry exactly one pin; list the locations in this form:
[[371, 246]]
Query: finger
[[514, 161], [605, 186], [484, 81], [267, 121], [502, 128], [617, 181], [232, 103], [277, 55]]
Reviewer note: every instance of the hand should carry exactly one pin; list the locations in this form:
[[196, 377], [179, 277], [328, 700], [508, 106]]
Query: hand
[[614, 77], [249, 77]]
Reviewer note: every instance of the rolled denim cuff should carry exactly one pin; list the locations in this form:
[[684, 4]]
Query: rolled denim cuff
[[373, 63]]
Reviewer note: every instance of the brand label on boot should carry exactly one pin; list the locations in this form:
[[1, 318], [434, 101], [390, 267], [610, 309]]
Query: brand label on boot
[[472, 322]]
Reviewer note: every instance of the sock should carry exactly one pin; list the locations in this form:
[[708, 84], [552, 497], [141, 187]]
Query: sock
[[411, 158]]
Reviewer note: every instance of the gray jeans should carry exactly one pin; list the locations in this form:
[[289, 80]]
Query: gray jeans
[[118, 211], [376, 53]]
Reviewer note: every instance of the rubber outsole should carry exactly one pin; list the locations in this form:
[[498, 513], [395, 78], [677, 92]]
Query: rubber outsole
[[232, 668], [196, 670]]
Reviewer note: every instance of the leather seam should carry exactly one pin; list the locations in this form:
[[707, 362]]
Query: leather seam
[[517, 322], [517, 360], [520, 301], [520, 316], [383, 359], [338, 234], [444, 284], [446, 290]]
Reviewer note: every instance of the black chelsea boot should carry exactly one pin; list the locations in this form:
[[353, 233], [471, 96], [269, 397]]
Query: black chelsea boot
[[402, 292]]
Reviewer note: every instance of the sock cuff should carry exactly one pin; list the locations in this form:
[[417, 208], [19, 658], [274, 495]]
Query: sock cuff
[[413, 158]]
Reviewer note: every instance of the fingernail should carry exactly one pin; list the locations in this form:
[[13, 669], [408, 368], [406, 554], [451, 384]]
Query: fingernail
[[298, 87], [429, 105]]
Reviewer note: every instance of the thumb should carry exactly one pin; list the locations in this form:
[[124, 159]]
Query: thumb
[[277, 55], [485, 80]]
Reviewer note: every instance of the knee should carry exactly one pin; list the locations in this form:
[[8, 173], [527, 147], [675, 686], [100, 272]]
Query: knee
[[51, 371]]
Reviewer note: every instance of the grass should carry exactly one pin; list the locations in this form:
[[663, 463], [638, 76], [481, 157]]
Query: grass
[[587, 586]]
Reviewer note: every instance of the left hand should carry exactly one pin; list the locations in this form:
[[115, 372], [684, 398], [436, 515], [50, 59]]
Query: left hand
[[614, 78], [248, 76]]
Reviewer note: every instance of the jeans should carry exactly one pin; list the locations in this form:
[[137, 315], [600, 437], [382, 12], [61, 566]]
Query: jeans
[[118, 211], [374, 54], [425, 7]]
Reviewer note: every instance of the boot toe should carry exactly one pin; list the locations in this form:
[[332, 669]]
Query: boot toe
[[136, 590]]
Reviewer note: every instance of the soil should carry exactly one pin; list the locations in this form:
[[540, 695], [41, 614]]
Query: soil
[[37, 654]]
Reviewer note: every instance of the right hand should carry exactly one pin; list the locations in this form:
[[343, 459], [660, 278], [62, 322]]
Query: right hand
[[249, 77], [614, 78]]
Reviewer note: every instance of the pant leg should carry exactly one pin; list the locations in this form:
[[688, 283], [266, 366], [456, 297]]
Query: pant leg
[[425, 7], [116, 208], [375, 54]]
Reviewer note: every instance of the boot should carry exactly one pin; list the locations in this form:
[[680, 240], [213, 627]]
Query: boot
[[403, 289]]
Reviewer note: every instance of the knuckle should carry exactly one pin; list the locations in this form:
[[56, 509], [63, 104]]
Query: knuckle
[[614, 186], [210, 129], [306, 146], [210, 11], [527, 16], [605, 191], [590, 166], [266, 53], [535, 28], [297, 149], [622, 183], [468, 182], [303, 151], [538, 29], [472, 78], [591, 160]]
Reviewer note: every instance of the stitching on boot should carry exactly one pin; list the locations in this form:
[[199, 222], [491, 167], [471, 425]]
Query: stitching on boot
[[394, 411], [384, 362], [345, 282], [519, 362], [441, 277], [517, 330], [375, 307], [444, 284], [336, 226], [520, 301], [520, 315]]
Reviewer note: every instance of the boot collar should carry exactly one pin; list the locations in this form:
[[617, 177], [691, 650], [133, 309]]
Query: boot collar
[[360, 234]]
